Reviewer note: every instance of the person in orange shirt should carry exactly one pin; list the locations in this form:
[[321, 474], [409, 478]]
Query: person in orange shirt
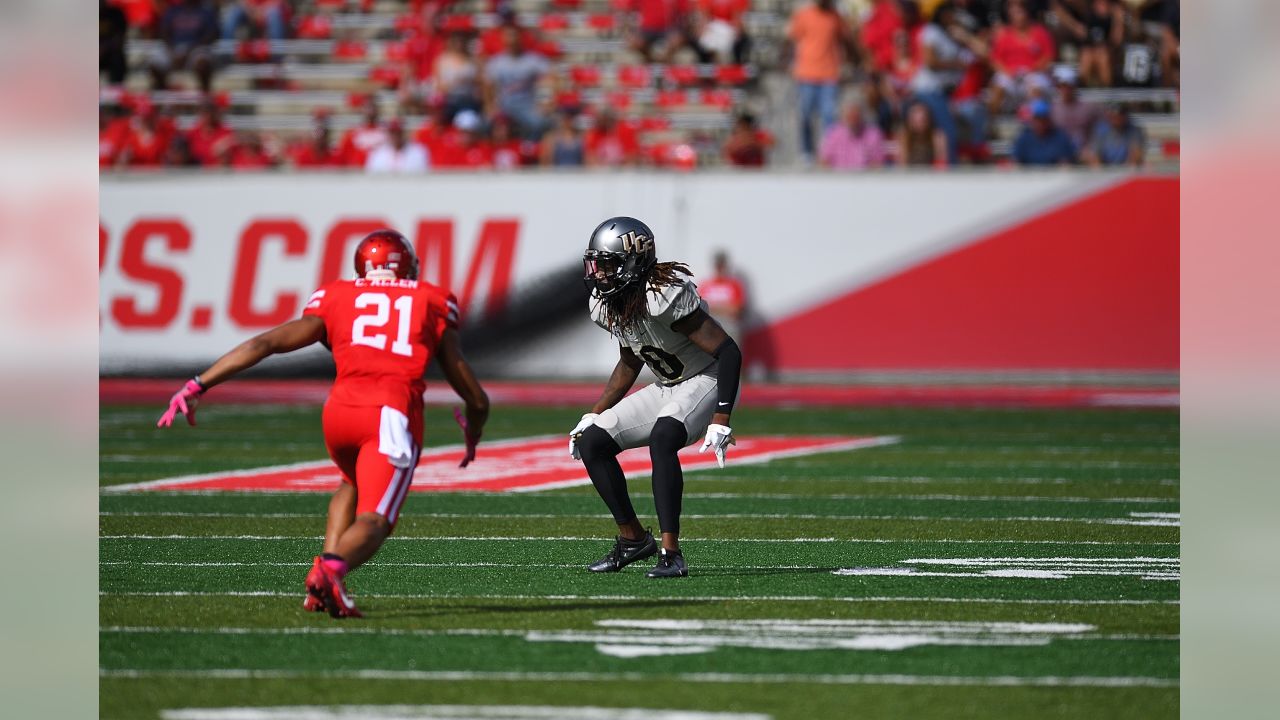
[[822, 40]]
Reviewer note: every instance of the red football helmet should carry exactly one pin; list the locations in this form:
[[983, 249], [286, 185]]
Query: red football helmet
[[386, 250]]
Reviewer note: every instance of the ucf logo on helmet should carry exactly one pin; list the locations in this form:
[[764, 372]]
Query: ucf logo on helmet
[[635, 242]]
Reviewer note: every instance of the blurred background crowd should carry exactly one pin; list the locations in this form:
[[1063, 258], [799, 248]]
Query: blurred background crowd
[[410, 86]]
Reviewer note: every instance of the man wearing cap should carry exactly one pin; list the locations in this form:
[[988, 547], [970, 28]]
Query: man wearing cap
[[1117, 140], [1076, 117], [397, 155], [1041, 142]]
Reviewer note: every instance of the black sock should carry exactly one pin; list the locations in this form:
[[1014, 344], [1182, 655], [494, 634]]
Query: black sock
[[600, 456], [332, 556], [668, 436]]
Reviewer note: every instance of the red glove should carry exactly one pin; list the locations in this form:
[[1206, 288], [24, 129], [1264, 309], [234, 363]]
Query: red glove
[[184, 401]]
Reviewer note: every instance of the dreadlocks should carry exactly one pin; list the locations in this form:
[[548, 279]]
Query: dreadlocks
[[626, 309]]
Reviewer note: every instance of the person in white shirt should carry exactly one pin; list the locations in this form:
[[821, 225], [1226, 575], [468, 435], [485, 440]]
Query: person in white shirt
[[398, 155]]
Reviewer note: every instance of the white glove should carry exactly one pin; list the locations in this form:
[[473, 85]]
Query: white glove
[[587, 421], [719, 438]]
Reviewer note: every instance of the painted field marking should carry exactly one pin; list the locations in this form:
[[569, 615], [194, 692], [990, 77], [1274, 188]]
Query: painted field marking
[[738, 678], [348, 630], [446, 712], [520, 465], [1154, 522], [521, 538], [1060, 568], [693, 598], [654, 638]]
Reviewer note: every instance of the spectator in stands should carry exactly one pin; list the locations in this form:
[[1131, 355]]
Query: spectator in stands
[[210, 139], [466, 146], [262, 17], [726, 299], [149, 137], [611, 142], [1170, 42], [882, 24], [397, 154], [1076, 117], [1098, 28], [493, 40], [1021, 55], [822, 40], [747, 145], [854, 144], [507, 151], [113, 32], [1041, 142], [456, 78], [946, 50], [881, 103], [1117, 140], [721, 30], [563, 146], [113, 133], [663, 27], [249, 153], [358, 142], [187, 31], [317, 152], [511, 82], [920, 141]]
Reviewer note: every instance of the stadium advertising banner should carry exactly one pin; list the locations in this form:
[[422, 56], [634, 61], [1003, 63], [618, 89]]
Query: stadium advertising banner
[[916, 271]]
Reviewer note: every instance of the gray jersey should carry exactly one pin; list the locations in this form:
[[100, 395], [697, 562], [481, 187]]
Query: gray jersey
[[670, 354]]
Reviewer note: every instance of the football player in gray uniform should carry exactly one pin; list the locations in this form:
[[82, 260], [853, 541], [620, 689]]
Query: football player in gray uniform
[[653, 311]]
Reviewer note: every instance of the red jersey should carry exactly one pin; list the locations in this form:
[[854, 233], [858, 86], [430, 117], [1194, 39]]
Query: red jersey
[[382, 334], [722, 291], [1017, 52]]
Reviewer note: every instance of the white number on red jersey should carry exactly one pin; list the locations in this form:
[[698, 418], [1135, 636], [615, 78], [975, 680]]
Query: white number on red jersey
[[382, 307]]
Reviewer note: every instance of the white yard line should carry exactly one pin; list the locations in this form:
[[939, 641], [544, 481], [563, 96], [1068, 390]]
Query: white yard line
[[456, 676], [695, 598], [1152, 521], [464, 632], [539, 538], [445, 712]]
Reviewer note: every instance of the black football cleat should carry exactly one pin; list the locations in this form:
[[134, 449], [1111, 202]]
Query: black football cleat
[[624, 553], [670, 565]]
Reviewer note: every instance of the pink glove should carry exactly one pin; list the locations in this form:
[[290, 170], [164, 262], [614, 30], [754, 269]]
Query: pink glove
[[466, 433], [184, 401]]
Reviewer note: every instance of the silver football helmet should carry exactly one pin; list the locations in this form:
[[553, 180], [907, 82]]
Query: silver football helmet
[[620, 252]]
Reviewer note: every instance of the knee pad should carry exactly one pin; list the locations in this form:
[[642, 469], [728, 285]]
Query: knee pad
[[668, 436], [595, 442]]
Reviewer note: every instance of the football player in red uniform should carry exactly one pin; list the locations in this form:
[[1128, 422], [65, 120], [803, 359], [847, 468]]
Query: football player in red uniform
[[383, 328]]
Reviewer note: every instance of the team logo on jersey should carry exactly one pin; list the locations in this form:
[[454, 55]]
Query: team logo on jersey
[[636, 242]]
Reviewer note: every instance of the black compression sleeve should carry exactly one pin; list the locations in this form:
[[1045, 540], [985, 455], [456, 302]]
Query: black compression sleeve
[[729, 370]]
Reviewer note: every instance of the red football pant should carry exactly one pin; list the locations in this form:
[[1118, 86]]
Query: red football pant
[[351, 436]]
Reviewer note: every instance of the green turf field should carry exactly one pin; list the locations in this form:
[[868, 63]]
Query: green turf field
[[994, 563]]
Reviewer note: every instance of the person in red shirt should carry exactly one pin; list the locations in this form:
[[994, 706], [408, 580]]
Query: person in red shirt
[[493, 40], [1021, 56], [113, 135], [611, 142], [464, 146], [664, 27], [317, 152], [508, 151], [878, 31], [249, 154], [747, 145], [210, 139], [383, 328], [725, 296], [147, 143], [358, 142]]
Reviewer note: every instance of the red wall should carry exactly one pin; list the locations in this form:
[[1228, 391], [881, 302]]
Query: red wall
[[1089, 285]]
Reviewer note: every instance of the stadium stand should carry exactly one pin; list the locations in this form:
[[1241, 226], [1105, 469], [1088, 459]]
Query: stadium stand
[[337, 55]]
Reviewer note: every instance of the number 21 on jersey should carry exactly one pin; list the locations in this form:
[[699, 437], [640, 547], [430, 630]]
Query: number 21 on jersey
[[382, 307]]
